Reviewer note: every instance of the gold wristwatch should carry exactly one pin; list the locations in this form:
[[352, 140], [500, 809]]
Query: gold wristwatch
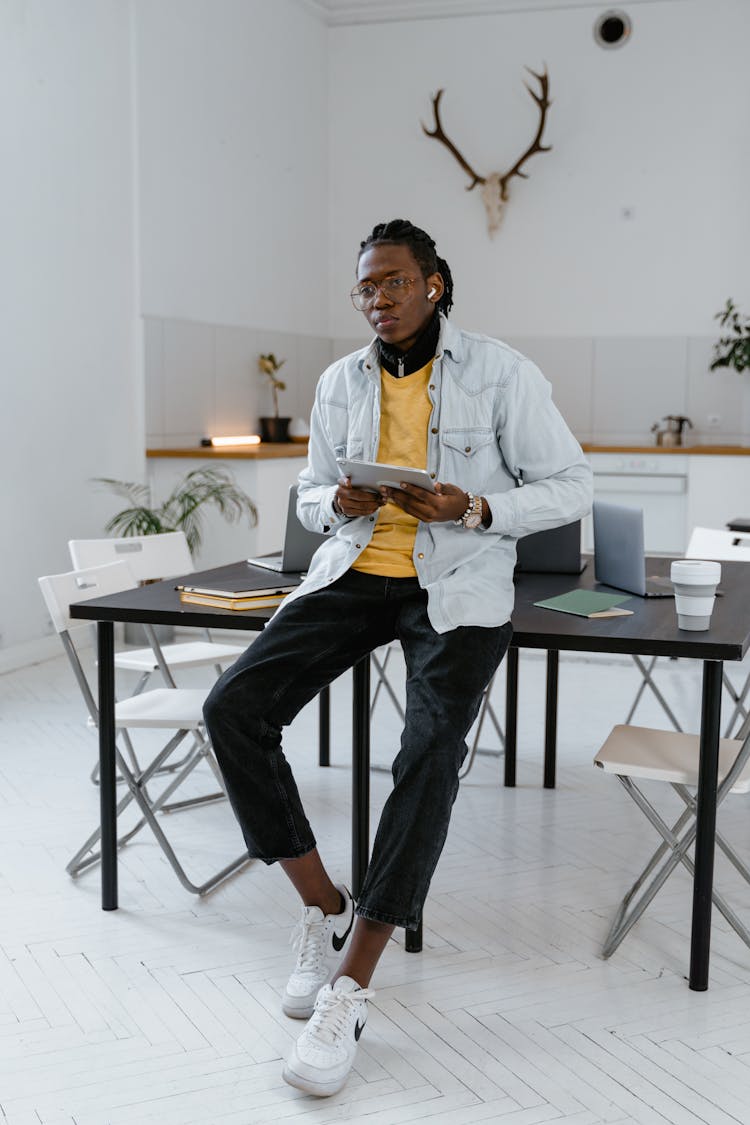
[[472, 517]]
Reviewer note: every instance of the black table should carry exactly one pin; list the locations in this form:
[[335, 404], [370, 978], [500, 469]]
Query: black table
[[652, 630]]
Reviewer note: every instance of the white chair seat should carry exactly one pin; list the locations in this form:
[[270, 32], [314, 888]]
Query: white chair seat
[[665, 755], [187, 654], [170, 708]]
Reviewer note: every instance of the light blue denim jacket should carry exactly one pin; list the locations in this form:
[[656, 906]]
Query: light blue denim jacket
[[493, 431]]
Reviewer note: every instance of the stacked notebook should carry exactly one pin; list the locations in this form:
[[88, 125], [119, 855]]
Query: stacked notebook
[[257, 597]]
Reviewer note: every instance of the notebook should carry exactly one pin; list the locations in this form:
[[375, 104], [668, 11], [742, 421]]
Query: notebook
[[556, 551], [299, 544], [619, 558]]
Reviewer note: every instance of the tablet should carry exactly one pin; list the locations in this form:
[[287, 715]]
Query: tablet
[[371, 475]]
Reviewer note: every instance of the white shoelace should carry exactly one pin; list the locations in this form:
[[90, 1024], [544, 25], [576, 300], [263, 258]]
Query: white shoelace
[[329, 1020], [308, 942]]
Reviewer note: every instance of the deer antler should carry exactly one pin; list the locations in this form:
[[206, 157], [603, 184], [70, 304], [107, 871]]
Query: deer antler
[[536, 145], [439, 135], [494, 186]]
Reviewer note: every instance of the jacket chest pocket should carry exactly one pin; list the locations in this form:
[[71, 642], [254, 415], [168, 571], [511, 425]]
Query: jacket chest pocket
[[467, 443], [468, 455]]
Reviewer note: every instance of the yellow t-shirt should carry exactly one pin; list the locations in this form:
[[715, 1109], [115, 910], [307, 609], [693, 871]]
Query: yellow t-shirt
[[405, 410]]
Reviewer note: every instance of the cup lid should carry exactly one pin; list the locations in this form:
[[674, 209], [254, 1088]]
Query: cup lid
[[695, 572]]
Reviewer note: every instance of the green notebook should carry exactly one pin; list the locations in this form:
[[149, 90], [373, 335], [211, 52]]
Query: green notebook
[[588, 603]]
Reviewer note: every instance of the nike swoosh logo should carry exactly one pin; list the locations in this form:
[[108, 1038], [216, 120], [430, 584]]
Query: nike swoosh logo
[[358, 1029], [339, 942]]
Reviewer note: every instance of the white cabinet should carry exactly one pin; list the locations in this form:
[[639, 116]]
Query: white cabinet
[[266, 482], [718, 490], [657, 483]]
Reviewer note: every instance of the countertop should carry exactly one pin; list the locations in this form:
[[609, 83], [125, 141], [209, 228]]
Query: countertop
[[692, 450], [269, 450], [263, 452]]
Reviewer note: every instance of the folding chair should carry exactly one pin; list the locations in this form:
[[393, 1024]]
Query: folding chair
[[667, 756], [176, 709], [154, 557], [380, 659]]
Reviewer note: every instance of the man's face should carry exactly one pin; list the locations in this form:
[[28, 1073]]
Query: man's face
[[398, 323]]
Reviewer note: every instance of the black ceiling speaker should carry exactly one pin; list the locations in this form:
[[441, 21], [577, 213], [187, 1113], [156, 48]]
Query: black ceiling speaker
[[612, 29]]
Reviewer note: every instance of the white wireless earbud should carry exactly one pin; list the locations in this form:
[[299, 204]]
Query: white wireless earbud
[[432, 292]]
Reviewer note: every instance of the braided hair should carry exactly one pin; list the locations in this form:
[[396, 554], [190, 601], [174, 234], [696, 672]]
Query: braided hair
[[404, 233]]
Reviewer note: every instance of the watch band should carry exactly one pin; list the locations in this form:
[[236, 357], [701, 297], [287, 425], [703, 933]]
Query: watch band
[[472, 517]]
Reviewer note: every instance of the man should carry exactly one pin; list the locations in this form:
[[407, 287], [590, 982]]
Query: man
[[431, 569]]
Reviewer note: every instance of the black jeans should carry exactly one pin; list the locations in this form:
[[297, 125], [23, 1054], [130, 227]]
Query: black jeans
[[306, 647]]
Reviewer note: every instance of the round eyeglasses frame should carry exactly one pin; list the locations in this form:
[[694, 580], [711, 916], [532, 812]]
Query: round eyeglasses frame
[[394, 289]]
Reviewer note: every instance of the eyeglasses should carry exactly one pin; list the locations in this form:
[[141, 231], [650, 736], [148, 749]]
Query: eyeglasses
[[395, 289]]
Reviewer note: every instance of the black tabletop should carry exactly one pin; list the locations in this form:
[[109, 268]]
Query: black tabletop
[[651, 631], [158, 603]]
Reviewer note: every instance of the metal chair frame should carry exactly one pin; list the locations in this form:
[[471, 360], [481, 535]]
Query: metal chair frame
[[162, 708], [646, 753]]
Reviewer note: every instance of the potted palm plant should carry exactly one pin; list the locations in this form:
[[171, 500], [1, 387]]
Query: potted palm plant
[[183, 509], [272, 427]]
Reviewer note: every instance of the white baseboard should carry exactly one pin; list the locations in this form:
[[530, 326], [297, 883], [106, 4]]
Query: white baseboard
[[30, 652], [44, 648]]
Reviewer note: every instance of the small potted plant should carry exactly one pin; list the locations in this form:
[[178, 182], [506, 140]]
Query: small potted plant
[[733, 349], [273, 428]]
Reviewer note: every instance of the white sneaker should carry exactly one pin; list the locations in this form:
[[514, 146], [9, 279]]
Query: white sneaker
[[319, 942], [323, 1055]]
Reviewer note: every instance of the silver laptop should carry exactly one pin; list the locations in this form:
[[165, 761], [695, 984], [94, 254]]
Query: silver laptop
[[299, 544], [619, 558]]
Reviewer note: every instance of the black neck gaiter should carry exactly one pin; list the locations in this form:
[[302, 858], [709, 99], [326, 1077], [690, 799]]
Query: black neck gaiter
[[419, 354]]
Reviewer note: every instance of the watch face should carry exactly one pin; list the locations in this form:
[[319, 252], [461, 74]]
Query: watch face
[[473, 520]]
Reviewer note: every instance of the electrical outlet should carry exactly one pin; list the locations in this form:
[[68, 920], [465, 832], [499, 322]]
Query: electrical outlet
[[713, 421]]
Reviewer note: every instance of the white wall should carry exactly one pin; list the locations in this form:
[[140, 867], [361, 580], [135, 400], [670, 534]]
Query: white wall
[[658, 127], [71, 406], [163, 158], [233, 149]]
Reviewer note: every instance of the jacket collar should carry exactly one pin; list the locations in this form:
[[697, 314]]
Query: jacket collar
[[449, 341]]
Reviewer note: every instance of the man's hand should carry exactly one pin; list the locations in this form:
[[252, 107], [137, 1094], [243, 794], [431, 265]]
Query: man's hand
[[355, 502], [447, 502]]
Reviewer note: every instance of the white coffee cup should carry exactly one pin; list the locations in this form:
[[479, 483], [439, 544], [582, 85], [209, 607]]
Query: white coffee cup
[[695, 582]]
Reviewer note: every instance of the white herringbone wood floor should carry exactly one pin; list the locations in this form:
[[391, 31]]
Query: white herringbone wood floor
[[167, 1011]]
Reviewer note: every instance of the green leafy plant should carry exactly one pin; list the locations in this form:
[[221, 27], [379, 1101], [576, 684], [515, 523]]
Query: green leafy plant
[[269, 365], [183, 509], [732, 349]]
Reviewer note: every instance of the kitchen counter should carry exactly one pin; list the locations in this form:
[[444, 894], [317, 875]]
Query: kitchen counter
[[704, 450], [266, 451], [270, 450]]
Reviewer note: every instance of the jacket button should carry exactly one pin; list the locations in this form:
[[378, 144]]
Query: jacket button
[[372, 518], [358, 546], [432, 475], [467, 449], [432, 386], [434, 429], [420, 555]]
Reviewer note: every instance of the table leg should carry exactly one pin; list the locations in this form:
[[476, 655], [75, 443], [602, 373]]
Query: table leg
[[324, 727], [105, 635], [360, 773], [700, 941], [511, 714], [361, 787], [550, 719]]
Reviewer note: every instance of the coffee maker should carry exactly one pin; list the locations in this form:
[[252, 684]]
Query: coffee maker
[[671, 434]]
